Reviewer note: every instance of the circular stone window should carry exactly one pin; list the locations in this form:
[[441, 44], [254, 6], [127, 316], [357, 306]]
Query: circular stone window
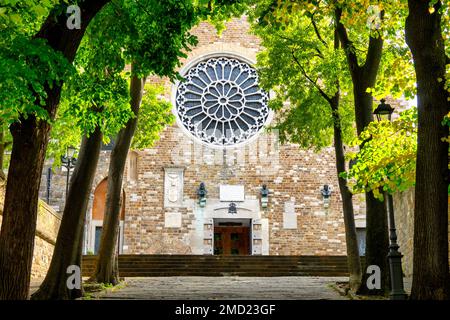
[[220, 102]]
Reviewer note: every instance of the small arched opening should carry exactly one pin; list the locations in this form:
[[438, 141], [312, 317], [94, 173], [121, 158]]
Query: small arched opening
[[98, 214]]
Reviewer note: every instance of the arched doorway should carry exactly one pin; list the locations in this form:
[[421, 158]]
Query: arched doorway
[[98, 213]]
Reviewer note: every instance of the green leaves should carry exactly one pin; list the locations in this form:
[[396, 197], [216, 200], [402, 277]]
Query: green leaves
[[302, 67], [27, 67], [155, 114], [388, 156]]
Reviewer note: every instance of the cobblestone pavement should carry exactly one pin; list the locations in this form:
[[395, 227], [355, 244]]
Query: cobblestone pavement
[[227, 288]]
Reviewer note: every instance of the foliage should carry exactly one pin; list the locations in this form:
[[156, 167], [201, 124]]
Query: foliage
[[28, 67], [23, 16], [388, 156], [124, 32], [396, 74], [155, 114], [302, 67], [217, 12]]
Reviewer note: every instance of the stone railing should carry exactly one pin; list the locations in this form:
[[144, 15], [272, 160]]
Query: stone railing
[[48, 222]]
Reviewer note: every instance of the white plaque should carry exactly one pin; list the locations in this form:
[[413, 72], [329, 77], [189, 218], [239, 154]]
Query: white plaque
[[172, 220], [232, 193], [289, 216]]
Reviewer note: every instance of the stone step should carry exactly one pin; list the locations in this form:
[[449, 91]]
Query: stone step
[[226, 259], [199, 265], [202, 273]]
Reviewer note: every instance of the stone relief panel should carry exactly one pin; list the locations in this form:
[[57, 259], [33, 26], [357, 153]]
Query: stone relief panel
[[173, 186]]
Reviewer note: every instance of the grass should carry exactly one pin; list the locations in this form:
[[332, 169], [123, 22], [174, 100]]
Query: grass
[[344, 290], [93, 290]]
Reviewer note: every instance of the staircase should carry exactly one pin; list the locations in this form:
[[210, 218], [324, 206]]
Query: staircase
[[215, 266]]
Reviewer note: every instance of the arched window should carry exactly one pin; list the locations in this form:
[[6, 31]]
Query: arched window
[[98, 213]]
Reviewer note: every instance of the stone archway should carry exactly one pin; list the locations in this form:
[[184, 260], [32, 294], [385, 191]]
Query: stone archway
[[98, 213]]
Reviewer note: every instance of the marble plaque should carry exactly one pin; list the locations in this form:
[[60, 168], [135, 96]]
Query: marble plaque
[[232, 193], [289, 216], [172, 220]]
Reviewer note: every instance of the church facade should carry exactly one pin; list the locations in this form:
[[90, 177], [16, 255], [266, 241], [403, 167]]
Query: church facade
[[217, 182]]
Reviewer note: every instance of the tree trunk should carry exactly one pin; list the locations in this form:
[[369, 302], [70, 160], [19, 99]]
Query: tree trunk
[[30, 139], [377, 239], [353, 259], [68, 246], [363, 77], [2, 151], [430, 261], [106, 269]]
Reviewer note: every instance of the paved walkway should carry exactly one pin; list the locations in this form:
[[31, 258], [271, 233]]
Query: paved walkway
[[227, 288]]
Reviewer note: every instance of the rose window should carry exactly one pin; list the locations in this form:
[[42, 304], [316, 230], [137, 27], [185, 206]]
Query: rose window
[[221, 103]]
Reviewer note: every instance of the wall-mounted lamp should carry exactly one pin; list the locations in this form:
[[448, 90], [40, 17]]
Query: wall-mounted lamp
[[326, 195], [201, 193], [264, 196], [232, 209]]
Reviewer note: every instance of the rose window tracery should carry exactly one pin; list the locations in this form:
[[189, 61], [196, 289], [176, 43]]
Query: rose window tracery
[[220, 102]]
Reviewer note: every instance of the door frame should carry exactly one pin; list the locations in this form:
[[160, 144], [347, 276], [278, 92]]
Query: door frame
[[250, 231], [99, 223]]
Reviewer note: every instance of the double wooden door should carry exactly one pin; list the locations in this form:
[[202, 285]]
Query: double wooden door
[[231, 240]]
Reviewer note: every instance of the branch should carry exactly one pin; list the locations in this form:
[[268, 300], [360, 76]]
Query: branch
[[349, 48], [314, 83], [316, 30], [373, 59]]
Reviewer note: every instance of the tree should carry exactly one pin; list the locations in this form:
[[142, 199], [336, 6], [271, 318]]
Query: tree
[[162, 61], [95, 103], [162, 38], [42, 61], [303, 63], [424, 35], [364, 77], [373, 72]]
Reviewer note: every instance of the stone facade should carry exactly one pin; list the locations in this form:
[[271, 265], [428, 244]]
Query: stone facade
[[162, 211], [296, 220], [404, 220], [48, 222]]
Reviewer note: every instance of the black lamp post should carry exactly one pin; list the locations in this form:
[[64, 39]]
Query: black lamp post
[[384, 111], [69, 161]]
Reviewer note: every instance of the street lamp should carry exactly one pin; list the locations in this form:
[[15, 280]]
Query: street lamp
[[68, 161], [384, 111], [394, 256]]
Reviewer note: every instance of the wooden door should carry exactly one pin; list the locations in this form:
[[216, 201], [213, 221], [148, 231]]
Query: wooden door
[[231, 240]]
